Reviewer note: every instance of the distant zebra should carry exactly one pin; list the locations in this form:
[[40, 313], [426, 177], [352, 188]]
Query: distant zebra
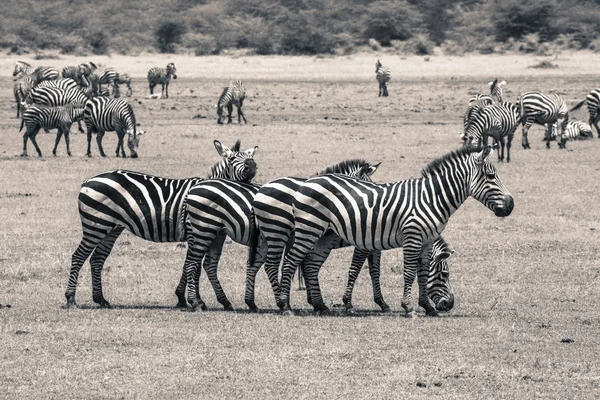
[[593, 105], [480, 101], [275, 222], [150, 207], [80, 73], [22, 92], [383, 75], [114, 78], [40, 116], [497, 120], [234, 94], [575, 130], [161, 76], [542, 109], [22, 68], [410, 214], [39, 73], [104, 114]]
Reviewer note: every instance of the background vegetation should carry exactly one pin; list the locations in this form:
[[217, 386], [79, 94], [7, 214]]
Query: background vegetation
[[299, 26]]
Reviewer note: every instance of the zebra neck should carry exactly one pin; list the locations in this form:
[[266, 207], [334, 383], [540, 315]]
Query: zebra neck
[[447, 189], [220, 171]]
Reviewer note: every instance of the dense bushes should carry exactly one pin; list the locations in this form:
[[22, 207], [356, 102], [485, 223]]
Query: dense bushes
[[299, 26]]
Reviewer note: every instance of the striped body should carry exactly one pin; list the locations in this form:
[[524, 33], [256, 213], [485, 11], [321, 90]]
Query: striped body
[[150, 207], [383, 76], [273, 210], [80, 73], [53, 96], [161, 76], [114, 78], [39, 116], [234, 94], [575, 130], [410, 214], [65, 84], [542, 109], [22, 91], [593, 105], [498, 121], [480, 101], [102, 115]]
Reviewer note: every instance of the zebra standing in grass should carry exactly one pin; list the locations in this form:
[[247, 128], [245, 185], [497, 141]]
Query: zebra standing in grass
[[410, 214], [161, 76], [104, 114], [39, 116], [383, 76], [480, 101], [593, 105], [234, 94], [497, 120], [542, 109], [275, 221], [114, 78], [150, 207]]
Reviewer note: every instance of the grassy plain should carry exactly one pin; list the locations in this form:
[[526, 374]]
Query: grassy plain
[[522, 284]]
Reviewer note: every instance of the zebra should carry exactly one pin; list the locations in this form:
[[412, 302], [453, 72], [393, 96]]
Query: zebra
[[161, 76], [234, 94], [273, 211], [80, 73], [409, 214], [497, 120], [480, 101], [542, 109], [27, 78], [65, 84], [40, 73], [575, 130], [105, 114], [55, 97], [114, 78], [593, 105], [150, 207], [40, 116], [383, 75]]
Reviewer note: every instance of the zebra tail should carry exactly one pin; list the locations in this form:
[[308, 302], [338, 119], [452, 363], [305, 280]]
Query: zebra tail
[[22, 124], [254, 241], [521, 109], [577, 106]]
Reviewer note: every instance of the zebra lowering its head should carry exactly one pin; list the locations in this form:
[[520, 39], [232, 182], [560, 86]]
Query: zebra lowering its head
[[499, 121], [103, 114], [234, 94], [114, 78], [536, 107], [150, 207], [593, 104], [410, 214], [383, 76], [40, 116], [80, 73], [161, 76]]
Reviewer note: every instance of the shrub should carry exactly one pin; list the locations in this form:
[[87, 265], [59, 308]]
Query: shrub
[[168, 34], [98, 42]]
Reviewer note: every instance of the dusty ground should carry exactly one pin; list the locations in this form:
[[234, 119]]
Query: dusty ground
[[523, 284]]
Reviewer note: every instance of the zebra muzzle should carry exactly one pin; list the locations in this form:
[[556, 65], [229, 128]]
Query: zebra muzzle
[[506, 208]]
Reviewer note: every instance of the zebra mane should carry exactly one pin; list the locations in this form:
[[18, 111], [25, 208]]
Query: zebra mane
[[493, 85], [344, 167], [435, 165], [236, 146]]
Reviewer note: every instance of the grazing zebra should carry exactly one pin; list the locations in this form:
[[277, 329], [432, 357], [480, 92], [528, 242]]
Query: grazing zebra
[[114, 78], [234, 94], [80, 73], [150, 207], [575, 130], [383, 75], [275, 221], [40, 116], [542, 109], [497, 120], [410, 214], [104, 114], [593, 105], [480, 101], [161, 76]]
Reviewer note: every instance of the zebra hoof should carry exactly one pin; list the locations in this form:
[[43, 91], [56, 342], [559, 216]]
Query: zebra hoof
[[101, 301], [228, 307], [411, 315], [385, 309], [24, 155], [288, 312], [70, 303], [181, 304]]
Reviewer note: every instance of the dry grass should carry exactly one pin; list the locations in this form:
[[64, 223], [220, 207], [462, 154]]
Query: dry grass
[[522, 283]]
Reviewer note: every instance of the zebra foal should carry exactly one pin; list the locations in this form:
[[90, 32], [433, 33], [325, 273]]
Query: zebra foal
[[39, 116], [234, 94]]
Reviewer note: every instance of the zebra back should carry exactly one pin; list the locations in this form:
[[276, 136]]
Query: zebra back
[[65, 84]]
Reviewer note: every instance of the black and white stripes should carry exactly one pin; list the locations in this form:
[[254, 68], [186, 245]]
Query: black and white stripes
[[161, 76], [233, 94], [383, 76]]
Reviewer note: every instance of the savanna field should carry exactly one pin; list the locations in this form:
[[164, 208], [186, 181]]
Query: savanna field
[[526, 317]]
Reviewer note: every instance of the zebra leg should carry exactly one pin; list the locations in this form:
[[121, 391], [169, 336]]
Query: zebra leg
[[120, 135], [151, 88], [193, 262], [524, 141], [166, 89], [358, 259], [67, 133], [501, 150], [79, 126], [211, 263], [97, 261], [411, 261], [32, 138], [549, 135], [89, 141], [241, 114], [25, 138], [252, 270], [385, 91], [374, 260], [275, 249], [229, 112], [423, 277], [180, 290], [508, 146], [57, 141], [99, 137]]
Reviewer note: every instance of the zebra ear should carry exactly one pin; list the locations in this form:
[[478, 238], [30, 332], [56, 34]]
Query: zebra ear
[[443, 255], [252, 151], [371, 168], [223, 150]]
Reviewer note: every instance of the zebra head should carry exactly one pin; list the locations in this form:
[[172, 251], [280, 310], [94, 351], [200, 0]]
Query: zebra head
[[21, 67], [438, 281], [496, 89], [358, 168], [486, 186], [171, 70], [133, 141], [377, 65], [236, 165]]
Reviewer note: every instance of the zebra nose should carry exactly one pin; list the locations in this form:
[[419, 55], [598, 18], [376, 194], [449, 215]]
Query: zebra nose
[[446, 304]]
